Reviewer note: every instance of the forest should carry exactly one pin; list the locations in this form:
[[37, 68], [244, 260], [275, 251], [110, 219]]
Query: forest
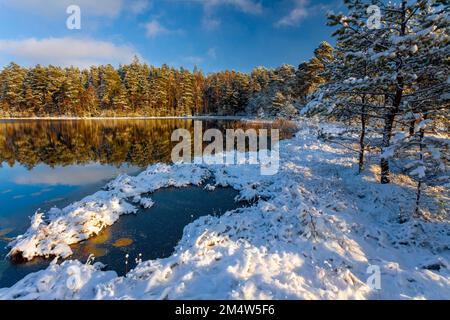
[[138, 89]]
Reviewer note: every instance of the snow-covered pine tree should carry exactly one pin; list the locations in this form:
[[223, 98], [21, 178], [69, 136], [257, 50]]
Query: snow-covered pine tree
[[278, 102], [425, 144], [408, 45], [347, 93], [421, 50], [273, 92], [199, 80], [311, 74]]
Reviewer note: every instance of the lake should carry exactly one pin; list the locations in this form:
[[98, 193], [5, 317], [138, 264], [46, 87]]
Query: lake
[[47, 163]]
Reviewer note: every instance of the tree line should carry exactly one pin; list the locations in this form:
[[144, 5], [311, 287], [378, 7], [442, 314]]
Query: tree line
[[137, 89]]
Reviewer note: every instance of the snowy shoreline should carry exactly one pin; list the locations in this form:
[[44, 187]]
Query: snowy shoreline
[[83, 219], [313, 232]]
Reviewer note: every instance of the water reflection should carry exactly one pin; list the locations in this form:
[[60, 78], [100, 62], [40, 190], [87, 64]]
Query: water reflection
[[61, 143], [113, 142], [72, 175], [54, 163]]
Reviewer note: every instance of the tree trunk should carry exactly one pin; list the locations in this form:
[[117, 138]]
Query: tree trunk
[[392, 111], [412, 125], [418, 194], [387, 133], [362, 136], [419, 183]]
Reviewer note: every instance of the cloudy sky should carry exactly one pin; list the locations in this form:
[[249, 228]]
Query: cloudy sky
[[212, 34]]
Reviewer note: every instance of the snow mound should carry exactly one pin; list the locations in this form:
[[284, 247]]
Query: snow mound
[[68, 280]]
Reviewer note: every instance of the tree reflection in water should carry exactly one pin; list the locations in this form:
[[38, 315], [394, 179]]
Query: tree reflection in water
[[113, 142]]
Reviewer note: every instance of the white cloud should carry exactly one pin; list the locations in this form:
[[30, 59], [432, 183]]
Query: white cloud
[[211, 22], [154, 29], [66, 51], [138, 6], [247, 6], [98, 8], [212, 53], [296, 15]]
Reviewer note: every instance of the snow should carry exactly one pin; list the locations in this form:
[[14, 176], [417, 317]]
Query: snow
[[68, 280], [423, 124], [210, 187], [389, 152], [86, 218], [419, 172], [313, 232]]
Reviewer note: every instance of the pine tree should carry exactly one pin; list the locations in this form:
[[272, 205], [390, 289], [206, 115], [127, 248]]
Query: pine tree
[[35, 90], [71, 91], [199, 81], [160, 84], [133, 85], [54, 93], [278, 102], [112, 92], [186, 98], [89, 101], [311, 74], [12, 87], [387, 64]]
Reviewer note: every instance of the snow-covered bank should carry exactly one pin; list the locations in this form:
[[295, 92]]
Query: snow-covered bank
[[316, 228], [51, 235]]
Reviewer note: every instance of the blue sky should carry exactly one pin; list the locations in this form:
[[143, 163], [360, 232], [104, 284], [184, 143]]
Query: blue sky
[[212, 34]]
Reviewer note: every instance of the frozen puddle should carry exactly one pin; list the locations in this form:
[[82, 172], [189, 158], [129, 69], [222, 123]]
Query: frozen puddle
[[148, 234], [156, 231]]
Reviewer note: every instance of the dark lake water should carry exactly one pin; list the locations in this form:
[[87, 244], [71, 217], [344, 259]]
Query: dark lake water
[[54, 163]]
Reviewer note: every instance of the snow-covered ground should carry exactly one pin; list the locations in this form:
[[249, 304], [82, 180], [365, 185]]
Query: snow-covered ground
[[314, 231], [52, 235]]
